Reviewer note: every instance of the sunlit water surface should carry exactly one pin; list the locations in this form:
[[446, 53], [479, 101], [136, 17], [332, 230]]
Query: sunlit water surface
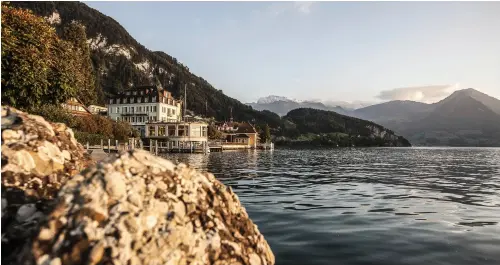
[[368, 206]]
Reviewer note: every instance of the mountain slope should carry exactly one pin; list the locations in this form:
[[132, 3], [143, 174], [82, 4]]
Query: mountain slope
[[327, 127], [120, 62], [392, 111], [490, 102]]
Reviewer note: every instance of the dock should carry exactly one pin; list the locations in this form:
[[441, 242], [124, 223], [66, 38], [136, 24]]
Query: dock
[[156, 147]]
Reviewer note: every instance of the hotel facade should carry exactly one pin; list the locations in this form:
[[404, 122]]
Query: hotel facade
[[142, 105]]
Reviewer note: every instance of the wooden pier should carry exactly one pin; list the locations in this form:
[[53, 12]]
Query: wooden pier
[[156, 147]]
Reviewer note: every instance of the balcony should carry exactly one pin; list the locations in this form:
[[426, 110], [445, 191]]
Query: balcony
[[137, 113]]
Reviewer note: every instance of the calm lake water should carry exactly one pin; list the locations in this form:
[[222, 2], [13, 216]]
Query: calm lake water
[[368, 206]]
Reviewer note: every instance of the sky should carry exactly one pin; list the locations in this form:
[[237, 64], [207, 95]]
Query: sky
[[337, 51]]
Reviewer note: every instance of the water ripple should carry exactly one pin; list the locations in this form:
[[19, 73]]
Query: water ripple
[[369, 206]]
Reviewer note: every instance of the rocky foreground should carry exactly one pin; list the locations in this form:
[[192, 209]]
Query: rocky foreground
[[132, 208]]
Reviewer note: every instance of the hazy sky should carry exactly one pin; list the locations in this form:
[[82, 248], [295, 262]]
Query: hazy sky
[[348, 51]]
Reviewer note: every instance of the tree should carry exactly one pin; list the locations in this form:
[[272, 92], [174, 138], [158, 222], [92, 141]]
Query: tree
[[213, 133], [82, 63], [37, 66], [266, 134]]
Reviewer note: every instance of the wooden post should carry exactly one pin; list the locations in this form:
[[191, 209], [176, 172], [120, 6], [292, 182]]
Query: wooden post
[[109, 145], [156, 147]]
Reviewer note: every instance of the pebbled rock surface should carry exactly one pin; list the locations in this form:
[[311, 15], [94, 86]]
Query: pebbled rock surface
[[38, 157], [135, 208]]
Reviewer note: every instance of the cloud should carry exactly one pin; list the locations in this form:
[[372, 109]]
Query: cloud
[[426, 94], [303, 6], [280, 8]]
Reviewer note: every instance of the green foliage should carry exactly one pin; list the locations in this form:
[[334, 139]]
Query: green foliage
[[91, 127], [83, 75], [265, 136], [91, 138], [213, 133], [37, 66], [55, 114]]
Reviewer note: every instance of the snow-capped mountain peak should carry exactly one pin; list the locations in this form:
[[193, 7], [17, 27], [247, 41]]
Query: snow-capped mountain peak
[[273, 98]]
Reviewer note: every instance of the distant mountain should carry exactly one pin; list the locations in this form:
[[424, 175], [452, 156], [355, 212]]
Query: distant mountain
[[121, 62], [320, 127], [272, 99], [393, 111], [346, 105], [282, 105], [465, 118]]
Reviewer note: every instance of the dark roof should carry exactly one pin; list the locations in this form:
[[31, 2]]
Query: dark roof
[[245, 127]]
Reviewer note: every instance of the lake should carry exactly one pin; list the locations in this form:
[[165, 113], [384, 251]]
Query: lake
[[368, 205]]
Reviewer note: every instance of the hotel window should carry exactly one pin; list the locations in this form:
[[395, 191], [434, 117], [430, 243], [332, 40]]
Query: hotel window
[[154, 99], [127, 93], [125, 100], [146, 99], [173, 112], [139, 100], [181, 131], [171, 130], [117, 118], [125, 109], [152, 131], [154, 108], [133, 119], [204, 131], [132, 100], [139, 109], [117, 101], [135, 93], [161, 131]]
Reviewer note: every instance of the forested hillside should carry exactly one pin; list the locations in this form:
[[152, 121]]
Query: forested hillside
[[312, 126]]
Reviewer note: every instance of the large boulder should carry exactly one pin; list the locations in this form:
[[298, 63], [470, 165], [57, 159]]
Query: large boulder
[[38, 157], [135, 208]]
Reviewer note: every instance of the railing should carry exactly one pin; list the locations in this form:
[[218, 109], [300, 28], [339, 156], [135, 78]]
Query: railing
[[135, 113]]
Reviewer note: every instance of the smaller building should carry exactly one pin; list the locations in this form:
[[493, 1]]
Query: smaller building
[[241, 139], [94, 109], [76, 107], [179, 136], [245, 133]]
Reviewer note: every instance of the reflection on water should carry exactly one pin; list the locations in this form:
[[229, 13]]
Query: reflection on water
[[368, 206]]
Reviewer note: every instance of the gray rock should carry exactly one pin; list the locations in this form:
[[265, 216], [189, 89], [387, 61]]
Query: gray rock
[[25, 212]]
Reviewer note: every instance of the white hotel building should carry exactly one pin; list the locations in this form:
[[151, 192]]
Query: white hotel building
[[142, 105]]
